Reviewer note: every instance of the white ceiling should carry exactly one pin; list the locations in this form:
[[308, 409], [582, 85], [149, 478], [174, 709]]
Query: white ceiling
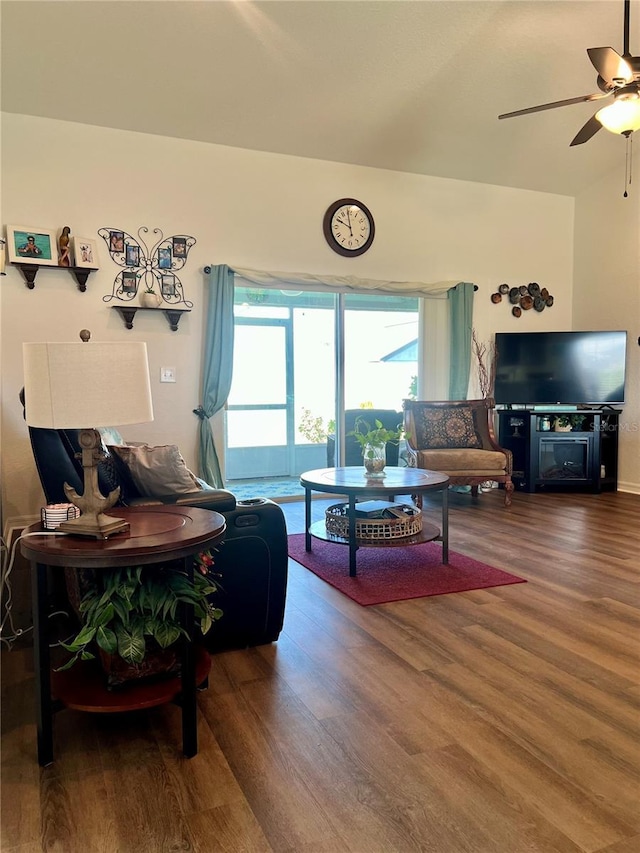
[[409, 86]]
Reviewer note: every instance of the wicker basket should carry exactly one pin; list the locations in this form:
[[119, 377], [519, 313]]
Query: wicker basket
[[337, 522]]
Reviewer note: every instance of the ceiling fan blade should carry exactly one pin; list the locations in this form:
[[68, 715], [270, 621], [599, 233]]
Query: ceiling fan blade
[[610, 65], [586, 131], [593, 97]]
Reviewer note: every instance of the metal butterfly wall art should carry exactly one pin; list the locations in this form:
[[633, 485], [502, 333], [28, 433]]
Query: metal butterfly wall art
[[152, 269]]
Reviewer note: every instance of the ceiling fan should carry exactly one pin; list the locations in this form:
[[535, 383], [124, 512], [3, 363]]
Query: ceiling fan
[[618, 76]]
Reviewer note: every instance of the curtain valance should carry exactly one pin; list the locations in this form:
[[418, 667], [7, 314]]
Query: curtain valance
[[340, 283]]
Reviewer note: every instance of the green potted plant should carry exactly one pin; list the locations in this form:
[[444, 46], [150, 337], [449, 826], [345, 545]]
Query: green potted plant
[[373, 441], [132, 613], [150, 299], [566, 422], [562, 423], [576, 422]]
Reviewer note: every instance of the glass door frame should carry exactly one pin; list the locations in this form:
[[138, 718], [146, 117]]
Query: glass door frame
[[339, 377]]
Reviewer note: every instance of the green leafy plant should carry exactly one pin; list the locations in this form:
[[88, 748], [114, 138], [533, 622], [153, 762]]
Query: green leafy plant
[[574, 421], [374, 436], [126, 607], [413, 388]]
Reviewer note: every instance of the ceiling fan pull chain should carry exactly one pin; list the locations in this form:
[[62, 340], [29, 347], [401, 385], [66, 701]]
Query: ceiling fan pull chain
[[628, 164]]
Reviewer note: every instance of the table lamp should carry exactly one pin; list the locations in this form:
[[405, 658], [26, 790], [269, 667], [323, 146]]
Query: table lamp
[[83, 386]]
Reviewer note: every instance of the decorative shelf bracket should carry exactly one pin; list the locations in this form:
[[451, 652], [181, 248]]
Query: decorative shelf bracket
[[30, 271], [81, 275], [173, 315]]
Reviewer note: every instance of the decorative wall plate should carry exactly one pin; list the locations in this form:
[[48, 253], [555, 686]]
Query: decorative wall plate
[[524, 297]]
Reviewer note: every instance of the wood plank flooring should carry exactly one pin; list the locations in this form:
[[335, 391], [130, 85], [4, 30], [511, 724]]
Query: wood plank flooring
[[504, 720]]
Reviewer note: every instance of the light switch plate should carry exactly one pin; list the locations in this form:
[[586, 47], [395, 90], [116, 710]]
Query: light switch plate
[[167, 374]]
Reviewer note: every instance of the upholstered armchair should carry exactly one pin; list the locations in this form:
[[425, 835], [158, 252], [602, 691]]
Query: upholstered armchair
[[456, 438]]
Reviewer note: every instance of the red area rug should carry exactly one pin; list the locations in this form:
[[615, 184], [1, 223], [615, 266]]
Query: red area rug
[[398, 573]]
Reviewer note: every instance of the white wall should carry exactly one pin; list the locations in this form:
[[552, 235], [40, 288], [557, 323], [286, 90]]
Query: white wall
[[250, 209], [607, 291]]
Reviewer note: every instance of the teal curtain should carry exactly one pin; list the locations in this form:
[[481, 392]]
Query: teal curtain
[[460, 326], [218, 366]]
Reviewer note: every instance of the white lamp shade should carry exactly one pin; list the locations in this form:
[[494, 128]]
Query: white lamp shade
[[623, 116], [86, 385]]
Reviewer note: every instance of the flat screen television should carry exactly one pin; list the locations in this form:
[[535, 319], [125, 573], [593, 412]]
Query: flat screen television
[[560, 368]]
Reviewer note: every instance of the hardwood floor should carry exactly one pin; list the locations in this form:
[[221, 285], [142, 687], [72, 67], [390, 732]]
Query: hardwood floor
[[504, 720]]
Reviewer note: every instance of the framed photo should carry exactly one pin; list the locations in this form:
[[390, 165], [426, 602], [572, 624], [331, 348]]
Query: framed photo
[[168, 285], [116, 241], [179, 247], [132, 255], [85, 253], [164, 259], [129, 282], [32, 245]]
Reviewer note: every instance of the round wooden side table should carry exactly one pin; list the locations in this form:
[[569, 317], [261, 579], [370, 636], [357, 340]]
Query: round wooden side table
[[158, 534]]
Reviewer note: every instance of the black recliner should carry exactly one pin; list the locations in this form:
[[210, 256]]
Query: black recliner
[[250, 564], [389, 419]]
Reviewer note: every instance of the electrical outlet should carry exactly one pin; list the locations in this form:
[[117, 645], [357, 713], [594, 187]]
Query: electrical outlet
[[167, 374]]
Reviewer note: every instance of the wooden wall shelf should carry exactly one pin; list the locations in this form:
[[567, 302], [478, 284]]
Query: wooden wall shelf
[[30, 271], [173, 315]]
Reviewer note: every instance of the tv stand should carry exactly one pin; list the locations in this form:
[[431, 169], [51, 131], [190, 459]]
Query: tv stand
[[583, 454]]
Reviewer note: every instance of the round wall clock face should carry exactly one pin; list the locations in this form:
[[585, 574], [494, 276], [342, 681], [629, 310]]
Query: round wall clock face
[[348, 227]]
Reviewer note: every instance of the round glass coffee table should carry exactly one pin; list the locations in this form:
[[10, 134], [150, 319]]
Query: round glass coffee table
[[353, 483]]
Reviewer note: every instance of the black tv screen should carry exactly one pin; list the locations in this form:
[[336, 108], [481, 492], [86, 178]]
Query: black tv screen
[[565, 368]]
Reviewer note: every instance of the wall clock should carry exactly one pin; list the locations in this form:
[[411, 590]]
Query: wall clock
[[348, 227]]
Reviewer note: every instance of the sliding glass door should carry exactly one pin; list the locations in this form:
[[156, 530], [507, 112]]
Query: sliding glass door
[[299, 360]]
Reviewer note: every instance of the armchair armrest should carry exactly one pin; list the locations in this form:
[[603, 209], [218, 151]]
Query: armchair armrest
[[219, 500]]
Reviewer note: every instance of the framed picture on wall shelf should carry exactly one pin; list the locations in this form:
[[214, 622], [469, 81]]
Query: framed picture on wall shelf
[[85, 253], [32, 245]]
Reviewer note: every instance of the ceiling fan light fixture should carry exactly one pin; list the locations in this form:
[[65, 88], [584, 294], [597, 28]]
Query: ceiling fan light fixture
[[623, 116]]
